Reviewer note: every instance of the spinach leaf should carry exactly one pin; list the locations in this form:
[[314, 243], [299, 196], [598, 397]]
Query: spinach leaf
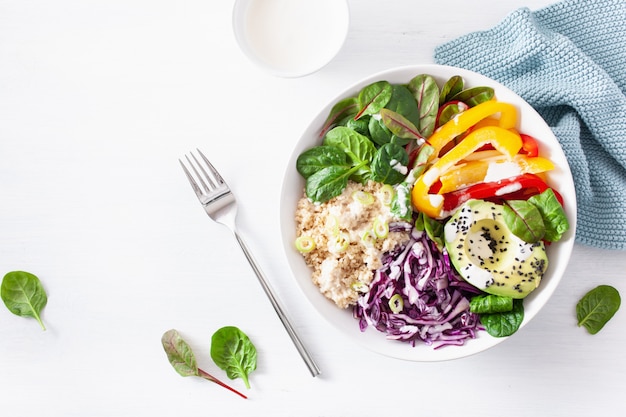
[[379, 133], [403, 102], [347, 107], [24, 295], [552, 213], [327, 173], [359, 149], [400, 141], [318, 157], [474, 96], [597, 307], [451, 88], [504, 324], [360, 126], [400, 125], [373, 97], [540, 217], [489, 303], [432, 227], [434, 230], [232, 351], [419, 222], [182, 359], [524, 220], [426, 92], [389, 165], [328, 182], [341, 122]]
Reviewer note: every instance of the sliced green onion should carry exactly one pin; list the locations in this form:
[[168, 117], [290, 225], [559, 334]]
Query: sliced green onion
[[386, 194], [363, 197], [360, 286], [368, 238], [380, 228], [396, 303], [305, 244], [340, 243]]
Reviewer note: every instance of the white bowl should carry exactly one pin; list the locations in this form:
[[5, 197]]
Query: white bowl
[[291, 38], [530, 122]]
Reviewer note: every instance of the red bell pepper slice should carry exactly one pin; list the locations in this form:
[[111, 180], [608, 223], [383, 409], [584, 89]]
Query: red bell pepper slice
[[514, 188], [529, 146]]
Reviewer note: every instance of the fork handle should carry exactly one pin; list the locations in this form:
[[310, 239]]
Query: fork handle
[[308, 359]]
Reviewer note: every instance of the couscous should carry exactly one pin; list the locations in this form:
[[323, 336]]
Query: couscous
[[346, 237]]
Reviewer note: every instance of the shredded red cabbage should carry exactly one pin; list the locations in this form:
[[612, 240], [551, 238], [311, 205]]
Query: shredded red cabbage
[[435, 299]]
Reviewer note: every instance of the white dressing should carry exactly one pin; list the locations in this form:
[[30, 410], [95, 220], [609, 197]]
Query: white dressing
[[500, 170]]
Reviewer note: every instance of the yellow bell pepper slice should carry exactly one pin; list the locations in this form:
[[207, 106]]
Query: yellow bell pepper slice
[[463, 121], [487, 121], [463, 174], [470, 172], [506, 142]]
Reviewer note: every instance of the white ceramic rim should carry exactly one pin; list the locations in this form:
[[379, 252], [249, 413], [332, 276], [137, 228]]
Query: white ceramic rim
[[371, 339], [238, 19]]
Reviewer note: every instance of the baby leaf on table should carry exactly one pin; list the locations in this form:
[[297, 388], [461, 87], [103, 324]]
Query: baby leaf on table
[[182, 359], [24, 295], [232, 351], [597, 307]]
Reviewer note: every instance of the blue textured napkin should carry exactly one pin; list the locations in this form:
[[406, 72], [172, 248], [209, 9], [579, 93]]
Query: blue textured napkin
[[568, 60]]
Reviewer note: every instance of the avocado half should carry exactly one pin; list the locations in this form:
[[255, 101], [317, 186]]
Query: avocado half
[[488, 255]]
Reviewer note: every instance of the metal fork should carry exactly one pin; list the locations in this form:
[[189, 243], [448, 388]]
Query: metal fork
[[220, 204]]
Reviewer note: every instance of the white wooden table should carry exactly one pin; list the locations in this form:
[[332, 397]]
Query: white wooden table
[[98, 99]]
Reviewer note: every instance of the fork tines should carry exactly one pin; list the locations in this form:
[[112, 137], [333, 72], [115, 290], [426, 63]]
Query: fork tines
[[208, 180]]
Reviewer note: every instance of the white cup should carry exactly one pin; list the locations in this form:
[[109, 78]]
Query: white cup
[[291, 38]]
